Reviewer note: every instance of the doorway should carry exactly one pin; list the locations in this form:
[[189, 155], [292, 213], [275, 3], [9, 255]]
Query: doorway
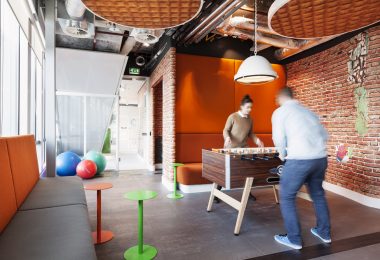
[[158, 122], [130, 117]]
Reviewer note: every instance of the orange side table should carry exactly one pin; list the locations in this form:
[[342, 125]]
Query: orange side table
[[99, 236]]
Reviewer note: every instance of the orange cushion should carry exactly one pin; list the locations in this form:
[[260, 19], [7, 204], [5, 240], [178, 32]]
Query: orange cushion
[[191, 174], [8, 206], [24, 165]]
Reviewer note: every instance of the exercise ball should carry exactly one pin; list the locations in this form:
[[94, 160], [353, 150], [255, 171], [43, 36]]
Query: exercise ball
[[67, 163], [97, 158], [86, 169]]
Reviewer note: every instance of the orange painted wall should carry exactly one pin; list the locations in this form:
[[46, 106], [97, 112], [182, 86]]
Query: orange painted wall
[[206, 94]]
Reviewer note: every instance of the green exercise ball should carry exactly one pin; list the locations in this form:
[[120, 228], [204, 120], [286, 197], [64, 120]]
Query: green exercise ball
[[98, 159]]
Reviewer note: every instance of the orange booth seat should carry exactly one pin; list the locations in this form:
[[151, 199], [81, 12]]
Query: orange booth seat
[[37, 214], [189, 152]]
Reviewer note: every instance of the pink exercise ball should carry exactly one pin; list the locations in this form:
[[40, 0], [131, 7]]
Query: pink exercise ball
[[86, 169]]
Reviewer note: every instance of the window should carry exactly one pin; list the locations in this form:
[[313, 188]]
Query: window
[[21, 82], [24, 85], [9, 71]]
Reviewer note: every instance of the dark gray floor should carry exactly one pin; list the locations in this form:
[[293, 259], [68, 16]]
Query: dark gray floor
[[183, 229]]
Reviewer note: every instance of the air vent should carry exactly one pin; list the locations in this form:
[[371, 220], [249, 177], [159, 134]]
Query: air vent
[[147, 36]]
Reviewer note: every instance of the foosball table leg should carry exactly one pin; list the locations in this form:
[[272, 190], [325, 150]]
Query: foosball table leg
[[243, 204], [275, 193], [211, 200]]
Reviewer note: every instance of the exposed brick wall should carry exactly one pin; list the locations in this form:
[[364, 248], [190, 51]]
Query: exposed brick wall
[[321, 83], [165, 71]]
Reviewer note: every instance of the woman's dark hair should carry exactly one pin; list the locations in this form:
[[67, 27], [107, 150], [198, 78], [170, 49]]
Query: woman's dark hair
[[246, 99]]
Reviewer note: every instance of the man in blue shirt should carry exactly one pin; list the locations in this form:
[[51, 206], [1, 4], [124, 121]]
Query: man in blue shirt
[[301, 140]]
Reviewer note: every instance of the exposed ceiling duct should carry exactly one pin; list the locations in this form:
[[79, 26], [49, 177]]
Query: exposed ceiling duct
[[128, 45], [74, 23], [208, 19], [284, 53], [261, 38], [75, 8], [246, 24], [219, 18], [242, 27]]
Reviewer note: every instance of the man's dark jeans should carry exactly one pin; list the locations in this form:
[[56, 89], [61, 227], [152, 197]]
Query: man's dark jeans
[[294, 175]]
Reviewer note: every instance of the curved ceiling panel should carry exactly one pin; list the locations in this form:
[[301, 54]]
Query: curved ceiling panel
[[319, 18], [148, 14]]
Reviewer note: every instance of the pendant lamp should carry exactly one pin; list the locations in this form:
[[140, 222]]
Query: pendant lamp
[[255, 69]]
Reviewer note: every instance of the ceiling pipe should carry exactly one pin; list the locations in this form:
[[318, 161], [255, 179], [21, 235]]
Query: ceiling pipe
[[247, 24], [128, 46], [207, 9], [217, 20], [284, 53], [204, 23], [269, 40], [75, 9]]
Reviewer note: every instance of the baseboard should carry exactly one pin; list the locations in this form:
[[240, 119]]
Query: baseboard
[[151, 168], [195, 188], [167, 183], [352, 195], [158, 166]]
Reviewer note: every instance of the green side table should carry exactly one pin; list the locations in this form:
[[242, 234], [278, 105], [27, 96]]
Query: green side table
[[141, 251], [174, 194]]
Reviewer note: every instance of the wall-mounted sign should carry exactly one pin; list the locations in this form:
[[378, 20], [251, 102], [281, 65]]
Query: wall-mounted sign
[[134, 71]]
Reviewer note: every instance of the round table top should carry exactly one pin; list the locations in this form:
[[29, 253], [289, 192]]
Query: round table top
[[177, 164], [140, 195], [98, 186]]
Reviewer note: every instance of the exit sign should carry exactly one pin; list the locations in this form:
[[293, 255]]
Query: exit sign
[[134, 71]]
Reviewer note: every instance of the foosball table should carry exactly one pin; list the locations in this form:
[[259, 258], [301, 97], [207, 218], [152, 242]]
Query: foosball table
[[240, 168]]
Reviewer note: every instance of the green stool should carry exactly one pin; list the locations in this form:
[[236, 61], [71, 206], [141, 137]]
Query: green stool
[[141, 251], [174, 194]]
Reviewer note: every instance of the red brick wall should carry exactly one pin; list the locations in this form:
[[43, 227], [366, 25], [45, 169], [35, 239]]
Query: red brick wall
[[165, 71], [321, 83]]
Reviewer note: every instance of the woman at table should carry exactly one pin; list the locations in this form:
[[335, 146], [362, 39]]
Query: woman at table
[[239, 128]]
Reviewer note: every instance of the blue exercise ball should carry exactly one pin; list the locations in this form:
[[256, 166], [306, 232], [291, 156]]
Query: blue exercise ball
[[67, 163]]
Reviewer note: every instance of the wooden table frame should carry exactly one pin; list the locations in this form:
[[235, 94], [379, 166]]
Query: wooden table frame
[[241, 205], [230, 172]]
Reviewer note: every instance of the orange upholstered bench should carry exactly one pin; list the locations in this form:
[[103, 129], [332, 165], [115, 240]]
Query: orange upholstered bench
[[189, 152], [40, 218], [191, 174]]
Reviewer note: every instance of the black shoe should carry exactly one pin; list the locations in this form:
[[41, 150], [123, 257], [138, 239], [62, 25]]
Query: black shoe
[[252, 197], [216, 200]]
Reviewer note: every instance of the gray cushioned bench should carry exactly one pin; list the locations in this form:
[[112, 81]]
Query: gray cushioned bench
[[40, 218], [52, 223]]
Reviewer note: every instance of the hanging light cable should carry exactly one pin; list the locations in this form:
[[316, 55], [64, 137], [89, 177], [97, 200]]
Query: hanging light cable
[[255, 69]]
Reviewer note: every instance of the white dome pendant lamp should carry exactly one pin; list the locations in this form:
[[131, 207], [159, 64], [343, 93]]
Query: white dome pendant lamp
[[255, 69]]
